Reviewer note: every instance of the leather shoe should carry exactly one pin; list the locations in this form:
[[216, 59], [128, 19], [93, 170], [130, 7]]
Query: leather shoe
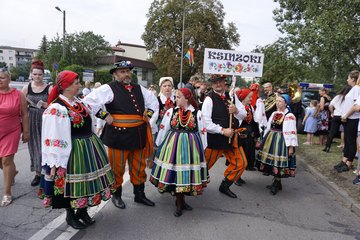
[[35, 181], [326, 149], [84, 216], [141, 198], [187, 207], [72, 220], [117, 201], [224, 188], [343, 168]]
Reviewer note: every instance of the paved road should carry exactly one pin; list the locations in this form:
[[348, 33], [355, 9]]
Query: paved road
[[305, 209]]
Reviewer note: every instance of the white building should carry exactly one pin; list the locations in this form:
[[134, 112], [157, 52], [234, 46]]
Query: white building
[[15, 57]]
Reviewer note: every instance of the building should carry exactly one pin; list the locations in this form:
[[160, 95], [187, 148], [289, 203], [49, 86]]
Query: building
[[15, 57], [138, 56]]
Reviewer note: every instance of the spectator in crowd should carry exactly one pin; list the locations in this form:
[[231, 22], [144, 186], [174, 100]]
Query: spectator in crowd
[[350, 120], [13, 115], [36, 93], [87, 88], [310, 122], [323, 115], [152, 89], [335, 107]]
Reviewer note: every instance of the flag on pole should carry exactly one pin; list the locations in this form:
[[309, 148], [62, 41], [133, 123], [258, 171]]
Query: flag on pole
[[190, 55]]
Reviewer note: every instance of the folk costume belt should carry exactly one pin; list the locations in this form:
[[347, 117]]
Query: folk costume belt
[[133, 120]]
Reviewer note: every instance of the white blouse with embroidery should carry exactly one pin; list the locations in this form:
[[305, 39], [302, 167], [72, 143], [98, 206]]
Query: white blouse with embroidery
[[288, 130], [56, 135], [166, 121]]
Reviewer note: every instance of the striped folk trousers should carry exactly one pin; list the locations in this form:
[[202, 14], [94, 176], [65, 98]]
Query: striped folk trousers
[[136, 162], [236, 158]]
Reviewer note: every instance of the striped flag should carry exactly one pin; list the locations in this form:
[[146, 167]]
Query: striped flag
[[190, 55]]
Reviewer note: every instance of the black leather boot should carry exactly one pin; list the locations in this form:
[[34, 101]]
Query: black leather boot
[[225, 188], [275, 186], [72, 220], [239, 182], [140, 195], [116, 198], [84, 216]]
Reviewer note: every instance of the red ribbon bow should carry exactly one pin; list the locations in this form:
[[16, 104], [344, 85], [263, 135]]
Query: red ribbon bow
[[128, 87]]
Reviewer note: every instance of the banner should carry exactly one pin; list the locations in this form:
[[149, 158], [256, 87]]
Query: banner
[[245, 64]]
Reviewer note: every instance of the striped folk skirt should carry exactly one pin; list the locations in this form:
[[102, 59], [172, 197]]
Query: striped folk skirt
[[86, 181], [273, 157], [179, 165]]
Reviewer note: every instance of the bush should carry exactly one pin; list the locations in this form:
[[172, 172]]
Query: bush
[[102, 76], [75, 68]]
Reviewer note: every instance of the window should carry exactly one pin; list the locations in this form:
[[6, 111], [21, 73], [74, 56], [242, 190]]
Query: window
[[1, 58], [11, 58], [1, 51]]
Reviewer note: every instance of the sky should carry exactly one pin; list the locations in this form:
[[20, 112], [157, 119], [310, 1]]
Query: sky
[[25, 22]]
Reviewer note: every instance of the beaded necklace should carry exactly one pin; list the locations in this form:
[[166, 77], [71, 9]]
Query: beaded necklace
[[184, 119]]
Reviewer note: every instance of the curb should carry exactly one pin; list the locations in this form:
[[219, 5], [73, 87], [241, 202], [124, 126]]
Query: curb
[[345, 198]]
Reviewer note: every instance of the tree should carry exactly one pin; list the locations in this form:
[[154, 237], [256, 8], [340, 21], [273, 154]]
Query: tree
[[280, 65], [3, 65], [204, 27], [43, 48], [81, 49], [325, 35]]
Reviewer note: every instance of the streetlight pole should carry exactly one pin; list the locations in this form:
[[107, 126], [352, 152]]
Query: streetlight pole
[[64, 31], [182, 47]]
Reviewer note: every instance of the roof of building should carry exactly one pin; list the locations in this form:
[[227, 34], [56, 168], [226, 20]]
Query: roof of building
[[118, 49], [111, 59], [129, 45], [19, 49]]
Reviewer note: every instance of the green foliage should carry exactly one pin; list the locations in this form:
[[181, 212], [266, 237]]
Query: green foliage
[[43, 48], [80, 48], [3, 65], [103, 76], [75, 68], [22, 70], [204, 27], [323, 36]]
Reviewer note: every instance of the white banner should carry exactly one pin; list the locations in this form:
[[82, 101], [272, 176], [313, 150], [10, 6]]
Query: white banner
[[219, 61]]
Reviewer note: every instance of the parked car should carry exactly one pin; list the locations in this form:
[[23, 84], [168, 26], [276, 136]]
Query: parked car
[[18, 85], [310, 91]]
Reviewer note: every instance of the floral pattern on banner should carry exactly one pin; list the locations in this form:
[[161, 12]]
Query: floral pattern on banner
[[56, 143], [56, 112]]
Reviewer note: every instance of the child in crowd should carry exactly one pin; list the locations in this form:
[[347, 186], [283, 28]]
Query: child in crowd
[[310, 122]]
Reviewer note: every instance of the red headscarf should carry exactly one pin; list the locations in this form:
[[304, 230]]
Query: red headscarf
[[242, 93], [255, 89], [37, 64], [63, 80], [189, 96]]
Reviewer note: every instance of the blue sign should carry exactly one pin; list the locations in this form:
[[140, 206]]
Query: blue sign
[[56, 66]]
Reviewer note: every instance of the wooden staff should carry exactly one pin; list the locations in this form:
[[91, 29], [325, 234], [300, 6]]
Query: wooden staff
[[231, 94]]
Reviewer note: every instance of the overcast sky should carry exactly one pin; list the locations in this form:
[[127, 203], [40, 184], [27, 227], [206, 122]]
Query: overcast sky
[[24, 22]]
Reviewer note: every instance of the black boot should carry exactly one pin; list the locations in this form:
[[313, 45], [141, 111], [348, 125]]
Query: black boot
[[239, 182], [275, 186], [116, 198], [326, 149], [84, 216], [225, 188], [140, 195], [72, 220]]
